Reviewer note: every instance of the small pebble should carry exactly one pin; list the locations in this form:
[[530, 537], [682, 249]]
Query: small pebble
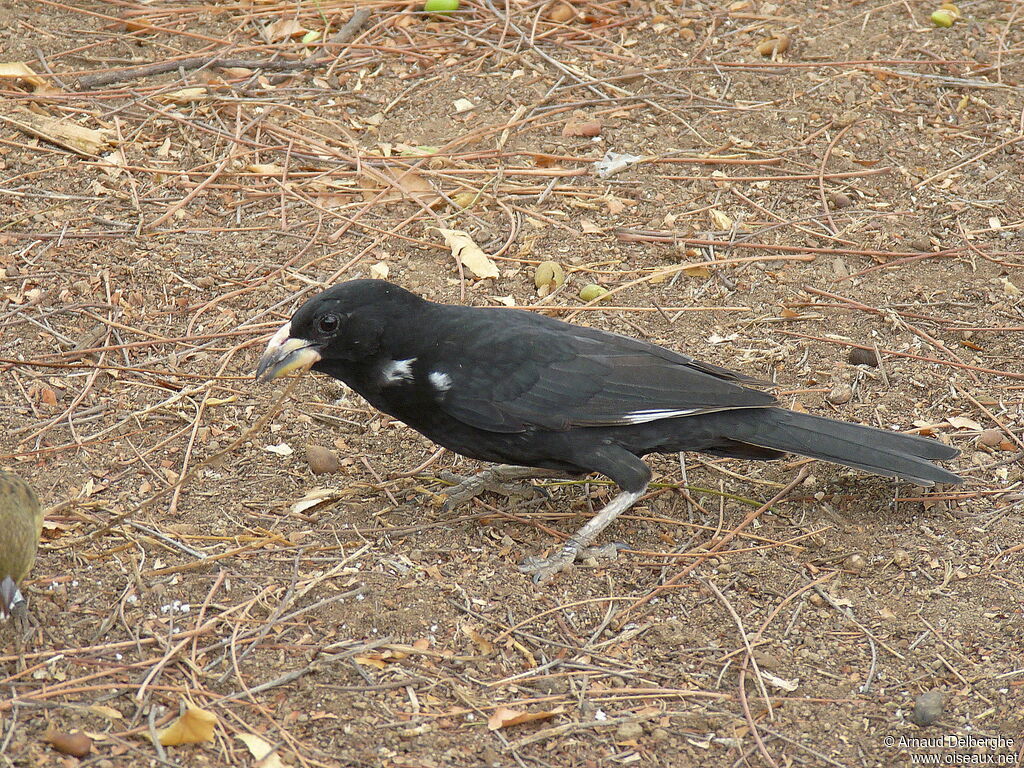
[[322, 461], [629, 732], [920, 243], [928, 707], [860, 356], [901, 558]]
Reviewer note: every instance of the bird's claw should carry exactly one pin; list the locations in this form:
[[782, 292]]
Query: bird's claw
[[546, 568], [467, 488]]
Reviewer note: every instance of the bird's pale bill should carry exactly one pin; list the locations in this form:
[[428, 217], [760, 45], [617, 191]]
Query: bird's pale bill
[[286, 355]]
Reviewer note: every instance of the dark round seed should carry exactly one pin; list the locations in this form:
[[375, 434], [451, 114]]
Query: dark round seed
[[863, 357]]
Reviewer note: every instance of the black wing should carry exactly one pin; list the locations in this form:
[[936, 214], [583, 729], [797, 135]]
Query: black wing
[[520, 370]]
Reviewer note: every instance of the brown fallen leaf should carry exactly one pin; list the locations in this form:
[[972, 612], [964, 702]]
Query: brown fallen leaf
[[963, 422], [503, 717], [265, 754], [380, 660], [697, 270], [485, 646], [399, 184], [19, 70], [184, 95], [469, 254], [193, 726], [283, 29]]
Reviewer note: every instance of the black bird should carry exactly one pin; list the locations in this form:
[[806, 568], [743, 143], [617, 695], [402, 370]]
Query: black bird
[[511, 386]]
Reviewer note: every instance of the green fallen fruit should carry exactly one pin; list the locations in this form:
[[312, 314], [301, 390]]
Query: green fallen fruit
[[549, 273], [592, 292], [441, 6], [943, 18]]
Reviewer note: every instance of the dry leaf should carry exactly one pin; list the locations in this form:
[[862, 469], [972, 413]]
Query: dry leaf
[[283, 29], [184, 95], [371, 661], [613, 162], [614, 205], [265, 169], [19, 70], [779, 682], [315, 498], [469, 254], [404, 185], [266, 756], [590, 228], [504, 717], [720, 220], [697, 270], [194, 726], [485, 646], [380, 660], [714, 338], [962, 422], [281, 449], [1009, 287], [104, 711]]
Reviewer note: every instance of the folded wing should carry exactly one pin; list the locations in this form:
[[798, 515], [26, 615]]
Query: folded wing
[[557, 376]]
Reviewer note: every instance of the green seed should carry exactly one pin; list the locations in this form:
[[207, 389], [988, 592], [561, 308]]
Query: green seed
[[549, 273], [943, 18], [441, 6], [593, 291]]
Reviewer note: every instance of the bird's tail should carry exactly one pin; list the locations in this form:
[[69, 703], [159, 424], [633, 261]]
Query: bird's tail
[[891, 454]]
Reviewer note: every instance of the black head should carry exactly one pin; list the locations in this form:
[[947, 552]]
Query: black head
[[346, 322]]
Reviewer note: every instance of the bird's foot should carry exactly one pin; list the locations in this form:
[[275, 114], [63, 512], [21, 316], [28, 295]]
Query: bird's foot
[[20, 622], [496, 479], [544, 569]]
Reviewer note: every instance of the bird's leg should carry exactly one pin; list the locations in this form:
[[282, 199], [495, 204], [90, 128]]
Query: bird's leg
[[497, 479], [578, 545]]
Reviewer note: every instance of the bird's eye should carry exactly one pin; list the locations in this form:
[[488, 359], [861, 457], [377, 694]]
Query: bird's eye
[[328, 324]]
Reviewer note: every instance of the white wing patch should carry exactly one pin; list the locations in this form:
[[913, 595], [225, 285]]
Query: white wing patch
[[440, 380], [396, 371], [642, 417]]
